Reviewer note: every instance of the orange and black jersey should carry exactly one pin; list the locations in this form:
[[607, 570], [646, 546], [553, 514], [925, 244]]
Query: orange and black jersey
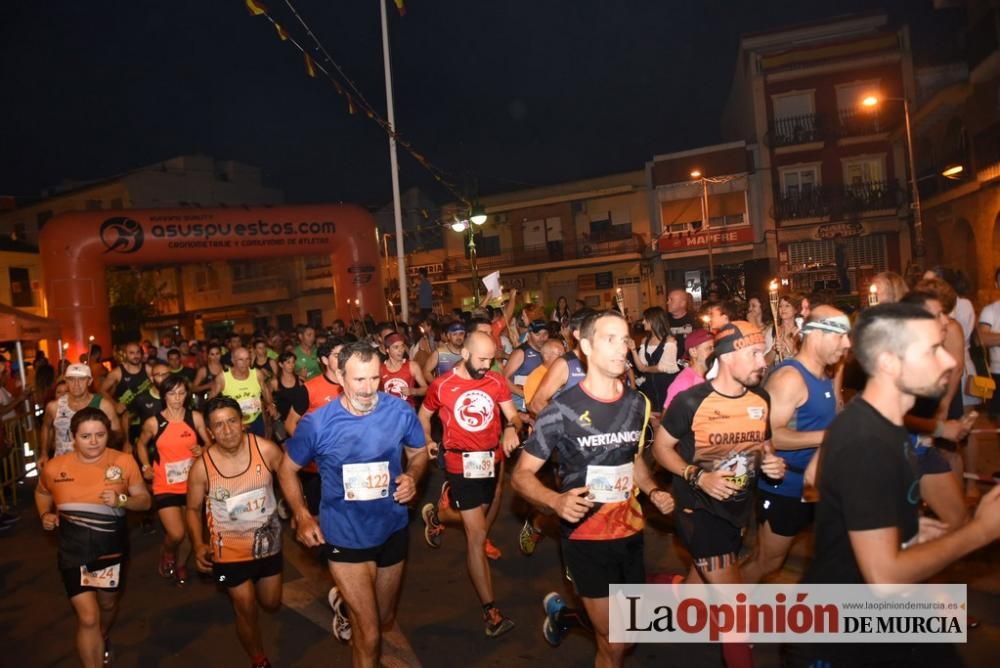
[[588, 432], [719, 432]]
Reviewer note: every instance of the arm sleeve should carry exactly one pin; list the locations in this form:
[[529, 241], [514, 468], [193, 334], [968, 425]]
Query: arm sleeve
[[302, 446], [987, 317], [130, 472]]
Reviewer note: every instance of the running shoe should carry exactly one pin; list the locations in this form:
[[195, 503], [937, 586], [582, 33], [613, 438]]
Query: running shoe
[[340, 625], [261, 663], [552, 604], [492, 551], [109, 656], [432, 526], [528, 538], [496, 623], [167, 564]]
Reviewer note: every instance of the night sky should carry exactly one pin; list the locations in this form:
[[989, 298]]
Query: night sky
[[504, 94]]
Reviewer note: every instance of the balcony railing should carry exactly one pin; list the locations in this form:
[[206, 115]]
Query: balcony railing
[[839, 201], [795, 130], [554, 251], [863, 121]]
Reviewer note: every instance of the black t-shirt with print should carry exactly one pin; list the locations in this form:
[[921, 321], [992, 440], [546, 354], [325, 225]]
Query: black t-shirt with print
[[867, 481], [590, 432], [679, 329]]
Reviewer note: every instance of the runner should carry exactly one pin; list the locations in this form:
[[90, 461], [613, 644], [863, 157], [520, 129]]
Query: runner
[[359, 441], [235, 479], [552, 350], [124, 383], [400, 376], [448, 353], [85, 493], [803, 404], [306, 361], [176, 435], [526, 358], [283, 387], [250, 389], [597, 428], [564, 373], [867, 524], [469, 400], [56, 433], [204, 378], [713, 438], [262, 360]]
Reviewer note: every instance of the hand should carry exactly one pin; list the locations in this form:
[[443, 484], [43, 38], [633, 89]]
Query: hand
[[930, 529], [954, 430], [203, 558], [109, 498], [664, 501], [404, 392], [572, 505], [631, 344], [50, 521], [406, 488], [196, 450], [308, 531], [147, 472], [988, 513], [772, 465], [511, 441], [717, 485], [432, 449]]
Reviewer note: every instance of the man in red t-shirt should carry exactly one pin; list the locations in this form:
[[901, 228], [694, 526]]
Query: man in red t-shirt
[[469, 400]]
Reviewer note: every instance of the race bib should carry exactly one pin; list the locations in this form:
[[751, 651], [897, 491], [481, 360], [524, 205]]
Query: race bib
[[250, 405], [366, 482], [477, 464], [105, 578], [609, 484], [248, 506], [178, 471]]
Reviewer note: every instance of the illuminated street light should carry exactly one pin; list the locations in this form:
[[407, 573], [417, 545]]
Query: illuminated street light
[[477, 215], [953, 172], [873, 101]]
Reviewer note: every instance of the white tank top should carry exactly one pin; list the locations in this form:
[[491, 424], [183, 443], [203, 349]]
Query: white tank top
[[63, 437]]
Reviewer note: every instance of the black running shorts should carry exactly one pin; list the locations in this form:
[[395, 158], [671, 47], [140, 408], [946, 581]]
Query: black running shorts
[[161, 501], [711, 540], [391, 552], [234, 573], [786, 515], [468, 493], [596, 564], [71, 577]]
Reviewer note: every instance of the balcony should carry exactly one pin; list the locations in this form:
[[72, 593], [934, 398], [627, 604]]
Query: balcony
[[795, 130], [554, 251], [860, 122], [836, 202]]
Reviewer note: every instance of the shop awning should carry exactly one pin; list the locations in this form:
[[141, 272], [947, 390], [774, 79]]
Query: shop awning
[[18, 325]]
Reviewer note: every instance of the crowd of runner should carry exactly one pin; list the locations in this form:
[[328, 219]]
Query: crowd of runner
[[719, 419]]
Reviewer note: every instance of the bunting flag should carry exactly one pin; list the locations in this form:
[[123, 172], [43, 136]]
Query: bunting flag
[[310, 65], [401, 7], [350, 105], [281, 32], [256, 7]]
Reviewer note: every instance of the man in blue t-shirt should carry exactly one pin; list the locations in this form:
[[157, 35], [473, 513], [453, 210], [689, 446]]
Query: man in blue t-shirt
[[803, 404], [358, 442]]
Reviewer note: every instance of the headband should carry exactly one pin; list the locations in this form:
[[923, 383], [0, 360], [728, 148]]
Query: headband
[[837, 324]]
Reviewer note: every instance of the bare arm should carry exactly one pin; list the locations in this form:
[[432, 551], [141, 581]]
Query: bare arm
[[199, 426], [418, 378], [265, 394], [292, 421], [424, 416], [430, 364], [646, 483], [199, 384], [307, 529], [987, 335], [142, 445], [788, 392], [554, 379], [882, 561], [218, 385], [197, 489], [111, 381], [571, 505]]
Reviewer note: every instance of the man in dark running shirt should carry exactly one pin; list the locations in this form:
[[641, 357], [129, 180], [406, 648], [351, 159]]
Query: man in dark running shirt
[[597, 427]]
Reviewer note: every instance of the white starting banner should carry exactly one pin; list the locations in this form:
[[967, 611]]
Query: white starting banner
[[788, 613]]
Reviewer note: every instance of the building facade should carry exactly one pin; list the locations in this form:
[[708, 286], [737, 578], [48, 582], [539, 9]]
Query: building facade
[[832, 177]]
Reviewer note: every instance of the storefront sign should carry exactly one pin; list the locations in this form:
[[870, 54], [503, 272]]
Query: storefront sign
[[829, 231], [684, 241]]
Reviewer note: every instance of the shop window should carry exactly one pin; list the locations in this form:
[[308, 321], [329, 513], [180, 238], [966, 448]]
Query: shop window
[[20, 287]]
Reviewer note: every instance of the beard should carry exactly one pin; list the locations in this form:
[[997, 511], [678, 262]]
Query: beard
[[928, 391], [360, 407], [474, 373]]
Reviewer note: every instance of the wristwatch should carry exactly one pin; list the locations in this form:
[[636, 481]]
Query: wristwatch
[[122, 500]]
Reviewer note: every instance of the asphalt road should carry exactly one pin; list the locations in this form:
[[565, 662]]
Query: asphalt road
[[161, 624]]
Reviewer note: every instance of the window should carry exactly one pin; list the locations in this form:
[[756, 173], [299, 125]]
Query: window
[[799, 181], [20, 287], [863, 169], [315, 317], [206, 278], [791, 105], [849, 95], [486, 246]]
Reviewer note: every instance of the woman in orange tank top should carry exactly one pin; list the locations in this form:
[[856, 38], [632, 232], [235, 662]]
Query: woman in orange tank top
[[176, 435]]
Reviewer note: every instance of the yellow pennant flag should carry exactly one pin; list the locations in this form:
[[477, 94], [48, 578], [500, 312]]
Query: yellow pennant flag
[[256, 7], [310, 65], [350, 105], [281, 31], [401, 7]]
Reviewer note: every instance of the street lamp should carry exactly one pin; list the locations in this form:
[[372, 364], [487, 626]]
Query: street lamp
[[872, 101], [476, 219], [953, 172]]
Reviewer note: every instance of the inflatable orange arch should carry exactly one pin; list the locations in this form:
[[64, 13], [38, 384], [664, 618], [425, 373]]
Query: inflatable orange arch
[[77, 247]]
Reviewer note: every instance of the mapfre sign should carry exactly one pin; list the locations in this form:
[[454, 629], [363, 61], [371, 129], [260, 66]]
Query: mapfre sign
[[679, 241]]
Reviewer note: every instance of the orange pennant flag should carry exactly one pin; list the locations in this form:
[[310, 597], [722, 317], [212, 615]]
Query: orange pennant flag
[[350, 105], [310, 66], [256, 7], [401, 7], [281, 31]]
